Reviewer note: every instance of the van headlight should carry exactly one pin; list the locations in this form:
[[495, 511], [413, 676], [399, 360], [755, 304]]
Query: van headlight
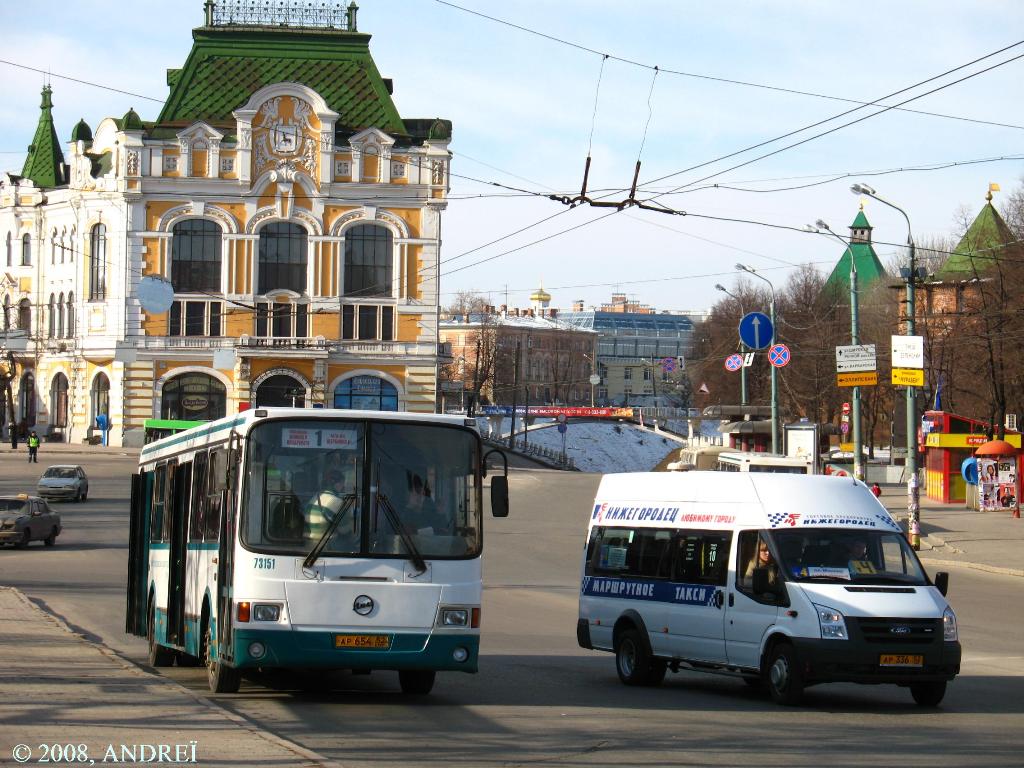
[[949, 626], [831, 622]]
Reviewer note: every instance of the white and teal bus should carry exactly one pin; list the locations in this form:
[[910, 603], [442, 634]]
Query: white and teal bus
[[312, 539]]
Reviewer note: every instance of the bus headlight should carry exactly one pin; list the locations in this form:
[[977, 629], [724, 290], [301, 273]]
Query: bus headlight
[[831, 622], [949, 626], [454, 617], [265, 612]]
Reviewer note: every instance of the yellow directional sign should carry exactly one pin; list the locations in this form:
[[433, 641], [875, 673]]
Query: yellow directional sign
[[908, 377], [857, 379]]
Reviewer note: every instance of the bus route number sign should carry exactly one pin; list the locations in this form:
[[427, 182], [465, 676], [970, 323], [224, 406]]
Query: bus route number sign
[[335, 439]]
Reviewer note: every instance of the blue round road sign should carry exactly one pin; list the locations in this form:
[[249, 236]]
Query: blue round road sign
[[562, 428], [756, 330], [779, 355]]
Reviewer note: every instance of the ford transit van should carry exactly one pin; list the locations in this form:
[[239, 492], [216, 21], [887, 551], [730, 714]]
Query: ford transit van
[[786, 581]]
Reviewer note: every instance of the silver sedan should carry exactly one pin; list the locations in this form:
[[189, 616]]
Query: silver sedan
[[64, 481]]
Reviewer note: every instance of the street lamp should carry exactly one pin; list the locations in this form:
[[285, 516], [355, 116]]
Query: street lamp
[[913, 493], [858, 443], [774, 371], [593, 376], [743, 347]]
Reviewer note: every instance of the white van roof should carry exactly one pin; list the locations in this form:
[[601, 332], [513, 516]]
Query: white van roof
[[729, 500]]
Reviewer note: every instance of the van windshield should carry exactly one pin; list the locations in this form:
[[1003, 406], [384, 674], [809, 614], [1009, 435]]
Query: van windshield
[[841, 554]]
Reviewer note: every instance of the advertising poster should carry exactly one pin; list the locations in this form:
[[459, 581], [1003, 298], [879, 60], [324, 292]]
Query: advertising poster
[[997, 482]]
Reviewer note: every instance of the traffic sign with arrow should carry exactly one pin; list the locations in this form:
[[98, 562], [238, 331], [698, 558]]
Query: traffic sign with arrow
[[756, 330]]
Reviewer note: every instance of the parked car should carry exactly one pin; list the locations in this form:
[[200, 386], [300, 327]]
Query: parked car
[[24, 519], [64, 481]]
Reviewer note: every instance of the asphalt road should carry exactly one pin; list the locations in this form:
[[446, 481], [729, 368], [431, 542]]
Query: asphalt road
[[541, 700]]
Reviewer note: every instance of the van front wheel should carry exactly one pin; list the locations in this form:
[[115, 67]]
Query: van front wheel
[[784, 676], [634, 663]]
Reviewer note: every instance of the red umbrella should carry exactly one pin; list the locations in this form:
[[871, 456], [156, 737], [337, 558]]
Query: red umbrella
[[996, 448]]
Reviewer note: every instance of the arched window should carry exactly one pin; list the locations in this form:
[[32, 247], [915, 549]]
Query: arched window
[[53, 247], [63, 243], [71, 315], [281, 391], [27, 399], [100, 396], [24, 316], [26, 250], [193, 396], [70, 245], [59, 401], [196, 256], [98, 263], [60, 317], [52, 319], [282, 263], [368, 261], [10, 250], [366, 393]]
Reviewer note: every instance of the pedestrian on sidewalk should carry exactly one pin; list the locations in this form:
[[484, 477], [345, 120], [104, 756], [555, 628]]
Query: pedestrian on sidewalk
[[876, 489], [33, 447]]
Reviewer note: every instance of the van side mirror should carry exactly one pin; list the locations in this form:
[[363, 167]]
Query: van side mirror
[[942, 582], [499, 496], [764, 585]]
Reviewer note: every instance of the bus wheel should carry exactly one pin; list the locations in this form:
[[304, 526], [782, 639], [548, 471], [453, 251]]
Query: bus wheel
[[928, 694], [784, 678], [158, 655], [416, 682], [220, 678], [634, 664]]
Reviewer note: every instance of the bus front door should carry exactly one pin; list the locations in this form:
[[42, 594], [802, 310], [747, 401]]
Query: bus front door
[[181, 488]]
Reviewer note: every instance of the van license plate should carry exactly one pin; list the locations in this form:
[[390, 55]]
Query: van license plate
[[372, 642], [901, 660]]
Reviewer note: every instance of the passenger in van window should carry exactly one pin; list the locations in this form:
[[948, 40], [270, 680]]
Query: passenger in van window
[[763, 559]]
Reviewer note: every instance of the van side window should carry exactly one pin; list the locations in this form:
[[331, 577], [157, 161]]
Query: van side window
[[701, 557], [749, 557], [629, 552]]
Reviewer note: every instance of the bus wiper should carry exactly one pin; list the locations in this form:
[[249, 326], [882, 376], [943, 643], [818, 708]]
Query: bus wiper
[[403, 533], [314, 553]]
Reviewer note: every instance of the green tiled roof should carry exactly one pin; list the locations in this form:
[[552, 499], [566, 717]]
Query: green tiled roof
[[228, 64], [978, 249], [45, 161], [869, 268], [861, 222]]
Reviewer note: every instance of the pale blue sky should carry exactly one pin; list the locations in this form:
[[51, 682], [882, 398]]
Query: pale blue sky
[[523, 105]]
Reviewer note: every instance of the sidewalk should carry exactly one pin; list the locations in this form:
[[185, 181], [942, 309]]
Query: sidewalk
[[951, 534], [58, 452], [58, 688]]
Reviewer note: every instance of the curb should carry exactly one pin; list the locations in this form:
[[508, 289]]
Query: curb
[[976, 566], [135, 669]]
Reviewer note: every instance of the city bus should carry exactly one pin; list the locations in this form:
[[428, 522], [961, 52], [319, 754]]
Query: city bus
[[750, 461], [299, 539]]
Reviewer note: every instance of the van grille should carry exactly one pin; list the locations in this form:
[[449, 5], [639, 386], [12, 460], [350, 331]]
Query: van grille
[[900, 631]]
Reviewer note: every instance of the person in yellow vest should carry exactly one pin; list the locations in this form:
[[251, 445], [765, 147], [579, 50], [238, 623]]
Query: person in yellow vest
[[33, 447]]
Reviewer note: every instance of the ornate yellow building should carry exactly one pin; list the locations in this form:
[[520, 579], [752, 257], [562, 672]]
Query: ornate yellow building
[[295, 215]]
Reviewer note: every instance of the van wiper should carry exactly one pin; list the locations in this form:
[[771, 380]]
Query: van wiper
[[403, 533], [314, 553]]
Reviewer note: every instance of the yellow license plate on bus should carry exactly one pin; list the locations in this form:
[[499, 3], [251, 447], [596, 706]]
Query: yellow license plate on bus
[[901, 660], [372, 642]]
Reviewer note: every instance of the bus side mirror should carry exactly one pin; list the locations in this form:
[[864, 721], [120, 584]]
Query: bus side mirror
[[499, 496], [942, 582]]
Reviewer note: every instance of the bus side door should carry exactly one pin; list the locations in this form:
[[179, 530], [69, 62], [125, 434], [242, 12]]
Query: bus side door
[[181, 490], [138, 554]]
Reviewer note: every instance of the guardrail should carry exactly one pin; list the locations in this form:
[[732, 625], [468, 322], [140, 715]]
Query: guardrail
[[546, 455]]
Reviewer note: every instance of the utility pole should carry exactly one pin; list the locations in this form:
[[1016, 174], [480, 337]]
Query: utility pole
[[743, 348]]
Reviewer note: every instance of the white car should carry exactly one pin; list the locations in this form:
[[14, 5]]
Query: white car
[[64, 481]]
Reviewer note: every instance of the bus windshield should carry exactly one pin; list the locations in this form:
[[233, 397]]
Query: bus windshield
[[842, 554], [397, 486]]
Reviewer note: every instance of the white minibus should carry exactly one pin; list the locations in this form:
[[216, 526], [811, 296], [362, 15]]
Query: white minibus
[[783, 580], [312, 539]]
